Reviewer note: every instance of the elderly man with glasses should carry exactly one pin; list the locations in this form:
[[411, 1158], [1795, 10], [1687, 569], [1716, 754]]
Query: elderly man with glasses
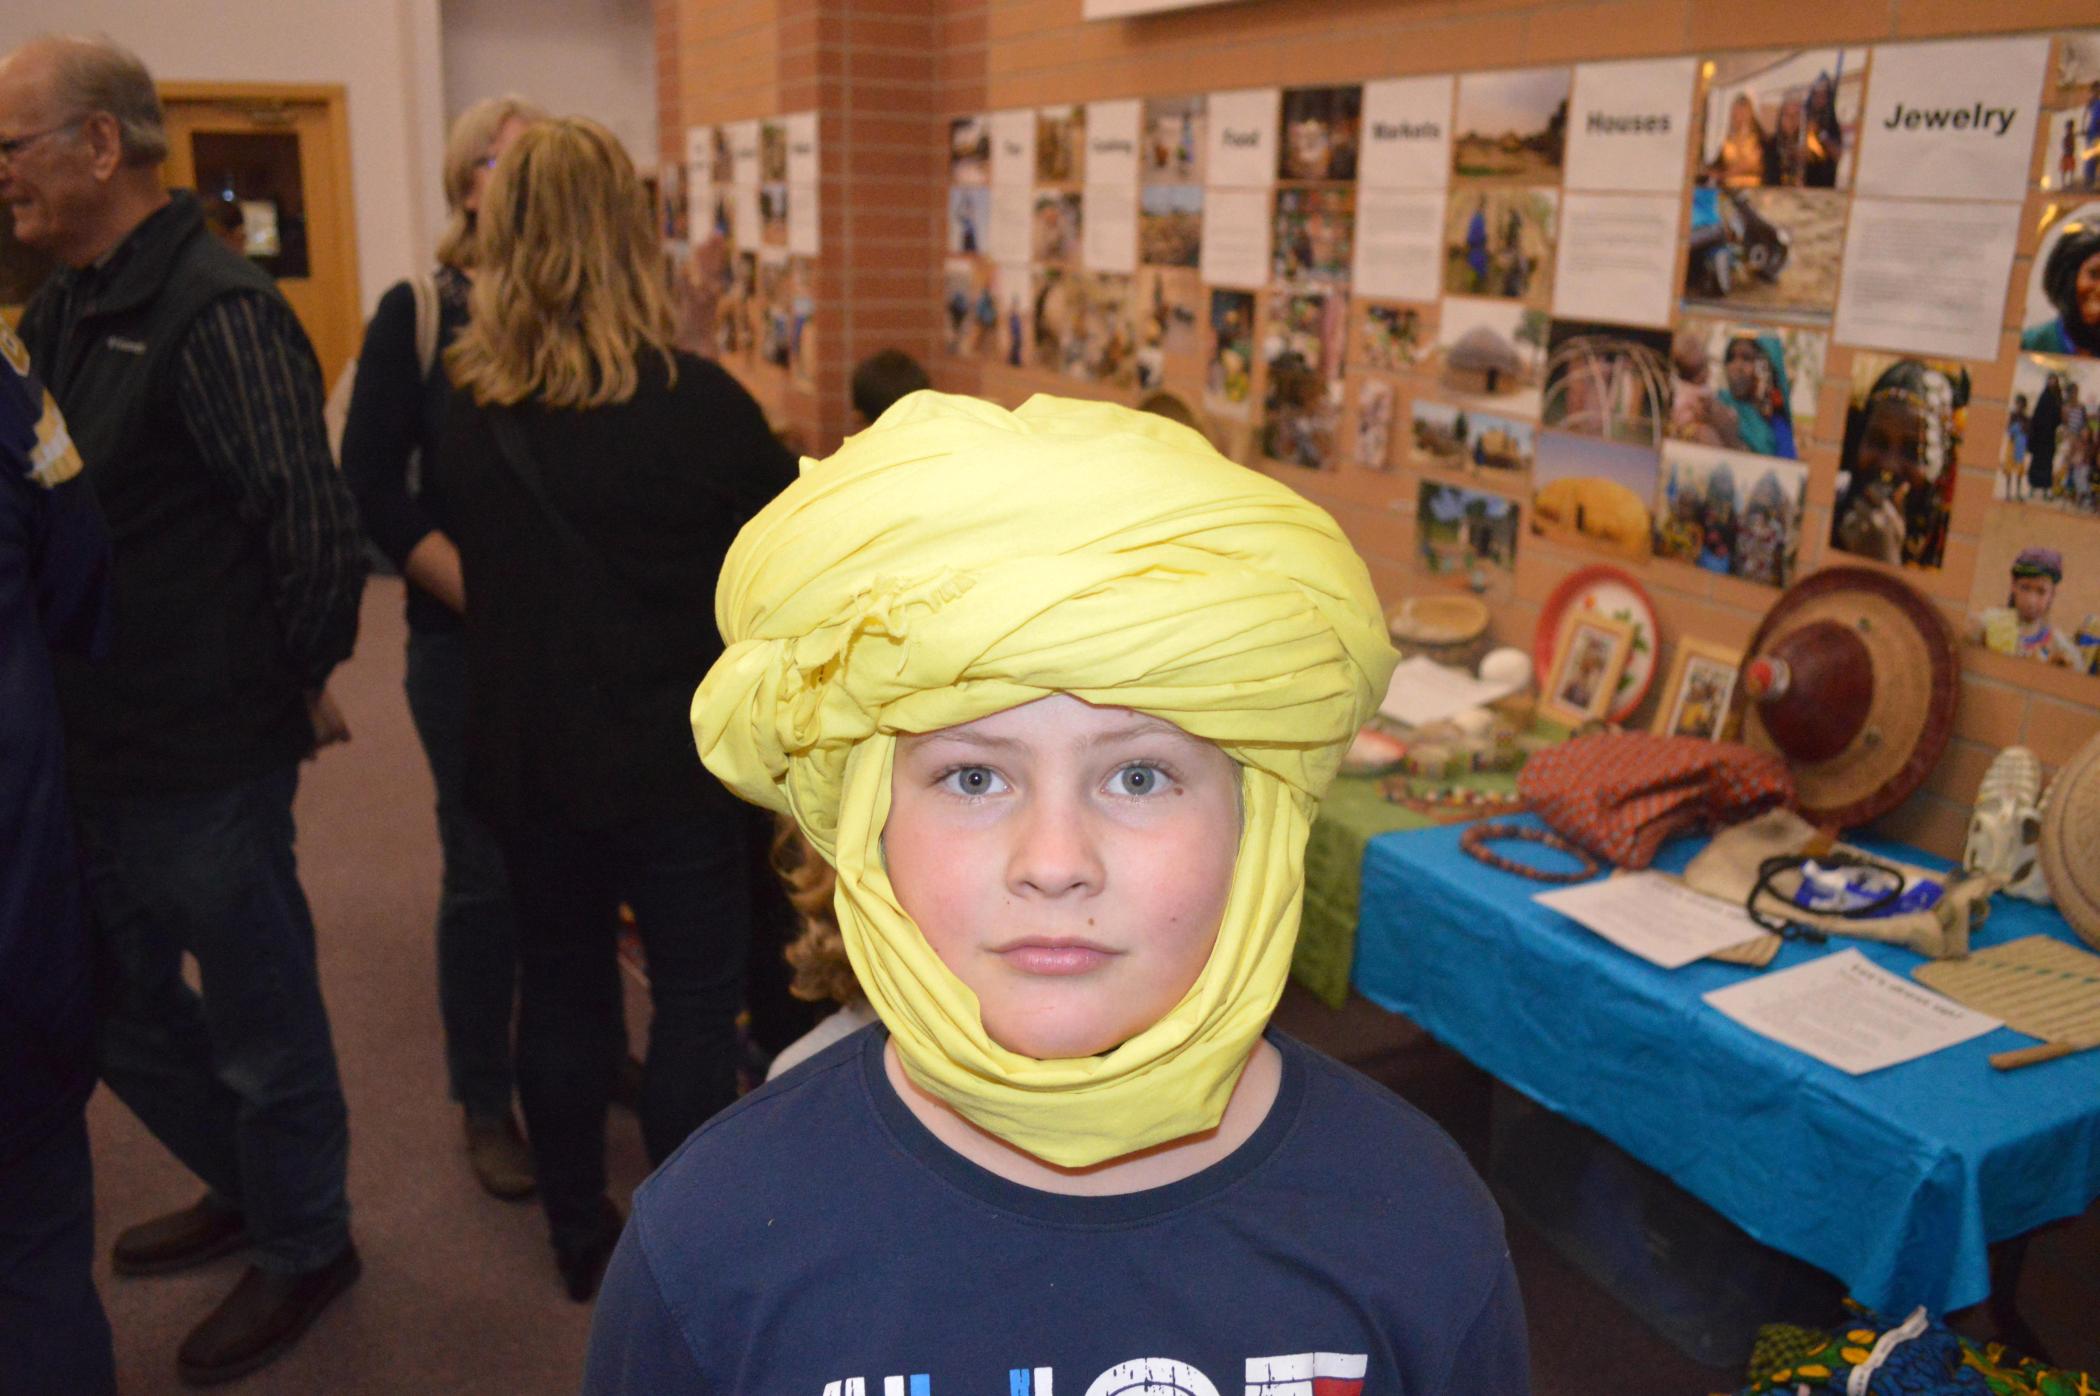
[[196, 403]]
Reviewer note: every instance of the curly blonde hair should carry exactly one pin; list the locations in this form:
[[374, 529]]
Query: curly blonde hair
[[818, 954], [466, 146], [571, 286]]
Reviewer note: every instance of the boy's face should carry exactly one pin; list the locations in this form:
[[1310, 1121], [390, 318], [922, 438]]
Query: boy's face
[[2032, 597], [1069, 863]]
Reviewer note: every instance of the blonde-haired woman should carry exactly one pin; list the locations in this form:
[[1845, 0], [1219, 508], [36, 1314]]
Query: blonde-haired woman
[[396, 416], [598, 476]]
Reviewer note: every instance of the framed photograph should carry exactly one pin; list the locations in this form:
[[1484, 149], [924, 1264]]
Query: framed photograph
[[1701, 691], [1591, 653]]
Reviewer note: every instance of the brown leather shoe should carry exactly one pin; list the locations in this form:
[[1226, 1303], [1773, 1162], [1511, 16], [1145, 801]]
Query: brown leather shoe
[[178, 1240], [260, 1320], [496, 1151]]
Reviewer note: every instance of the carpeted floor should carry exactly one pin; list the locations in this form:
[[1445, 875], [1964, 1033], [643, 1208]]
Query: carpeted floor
[[459, 1293]]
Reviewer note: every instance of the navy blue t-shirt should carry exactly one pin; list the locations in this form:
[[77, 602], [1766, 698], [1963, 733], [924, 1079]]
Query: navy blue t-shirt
[[817, 1240], [54, 569]]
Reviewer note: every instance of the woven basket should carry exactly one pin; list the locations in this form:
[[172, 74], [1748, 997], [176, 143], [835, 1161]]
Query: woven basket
[[2071, 841], [1450, 629]]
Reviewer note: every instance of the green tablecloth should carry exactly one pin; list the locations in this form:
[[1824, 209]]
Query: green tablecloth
[[1354, 813]]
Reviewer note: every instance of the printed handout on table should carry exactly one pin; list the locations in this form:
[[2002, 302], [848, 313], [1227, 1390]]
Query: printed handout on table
[[1654, 916], [1850, 1013]]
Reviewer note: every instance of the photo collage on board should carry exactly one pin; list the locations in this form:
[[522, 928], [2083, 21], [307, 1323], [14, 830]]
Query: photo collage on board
[[745, 215], [1609, 294]]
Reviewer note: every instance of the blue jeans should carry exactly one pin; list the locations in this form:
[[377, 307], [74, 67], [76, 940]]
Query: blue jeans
[[688, 883], [53, 1333], [477, 951], [239, 1082]]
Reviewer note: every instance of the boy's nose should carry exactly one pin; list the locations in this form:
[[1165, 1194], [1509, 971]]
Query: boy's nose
[[1055, 853]]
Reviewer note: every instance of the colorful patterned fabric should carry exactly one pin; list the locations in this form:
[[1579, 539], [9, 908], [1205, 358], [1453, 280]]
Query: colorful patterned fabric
[[1620, 794], [1937, 1362]]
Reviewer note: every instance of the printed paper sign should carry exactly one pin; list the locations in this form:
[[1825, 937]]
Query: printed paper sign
[[1951, 120], [743, 155], [1013, 148], [1236, 237], [1399, 243], [1012, 230], [746, 231], [1242, 138], [1108, 228], [1926, 278], [802, 219], [1629, 124], [1617, 256], [1112, 142], [802, 150], [1406, 134], [1846, 1010]]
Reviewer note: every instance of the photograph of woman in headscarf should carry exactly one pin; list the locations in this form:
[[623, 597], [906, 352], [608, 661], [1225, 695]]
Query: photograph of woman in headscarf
[[1745, 387], [1902, 443], [2063, 303]]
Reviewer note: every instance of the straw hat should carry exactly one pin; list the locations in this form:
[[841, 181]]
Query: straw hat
[[2071, 841], [1852, 677]]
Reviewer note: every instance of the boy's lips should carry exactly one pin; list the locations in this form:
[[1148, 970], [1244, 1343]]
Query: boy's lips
[[1054, 955]]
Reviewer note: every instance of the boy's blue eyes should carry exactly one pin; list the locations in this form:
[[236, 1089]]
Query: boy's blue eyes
[[1134, 781]]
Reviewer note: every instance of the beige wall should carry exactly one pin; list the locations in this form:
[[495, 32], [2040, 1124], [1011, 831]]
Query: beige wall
[[594, 58], [384, 52]]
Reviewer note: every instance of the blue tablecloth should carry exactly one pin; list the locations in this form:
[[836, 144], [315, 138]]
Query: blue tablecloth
[[1895, 1182]]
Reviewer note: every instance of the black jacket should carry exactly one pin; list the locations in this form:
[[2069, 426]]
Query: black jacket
[[198, 691], [581, 668]]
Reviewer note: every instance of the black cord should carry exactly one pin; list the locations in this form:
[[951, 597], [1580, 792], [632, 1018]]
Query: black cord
[[1771, 868]]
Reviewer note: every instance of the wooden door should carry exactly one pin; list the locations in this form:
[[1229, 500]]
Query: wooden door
[[271, 164]]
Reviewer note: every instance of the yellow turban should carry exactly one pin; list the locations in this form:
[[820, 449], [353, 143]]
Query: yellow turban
[[956, 560]]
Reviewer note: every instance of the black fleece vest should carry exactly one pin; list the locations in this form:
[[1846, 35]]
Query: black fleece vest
[[197, 692]]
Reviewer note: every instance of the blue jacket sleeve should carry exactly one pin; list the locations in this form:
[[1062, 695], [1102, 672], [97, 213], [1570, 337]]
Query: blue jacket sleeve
[[638, 1347]]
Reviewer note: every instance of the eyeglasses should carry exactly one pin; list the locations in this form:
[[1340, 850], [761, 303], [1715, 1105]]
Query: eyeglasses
[[12, 146]]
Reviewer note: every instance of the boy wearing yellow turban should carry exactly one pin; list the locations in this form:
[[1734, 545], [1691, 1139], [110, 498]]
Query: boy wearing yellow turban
[[1056, 692]]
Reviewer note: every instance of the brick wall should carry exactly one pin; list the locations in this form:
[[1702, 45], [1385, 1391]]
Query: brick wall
[[887, 75]]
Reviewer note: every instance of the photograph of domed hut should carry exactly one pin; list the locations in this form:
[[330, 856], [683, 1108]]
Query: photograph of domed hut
[[1511, 126], [1608, 381], [1730, 512], [1491, 352], [1594, 493]]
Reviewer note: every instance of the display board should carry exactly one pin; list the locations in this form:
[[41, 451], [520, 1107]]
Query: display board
[[1604, 293], [747, 192]]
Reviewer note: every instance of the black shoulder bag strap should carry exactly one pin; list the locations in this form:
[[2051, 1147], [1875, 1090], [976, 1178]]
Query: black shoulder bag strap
[[524, 466]]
